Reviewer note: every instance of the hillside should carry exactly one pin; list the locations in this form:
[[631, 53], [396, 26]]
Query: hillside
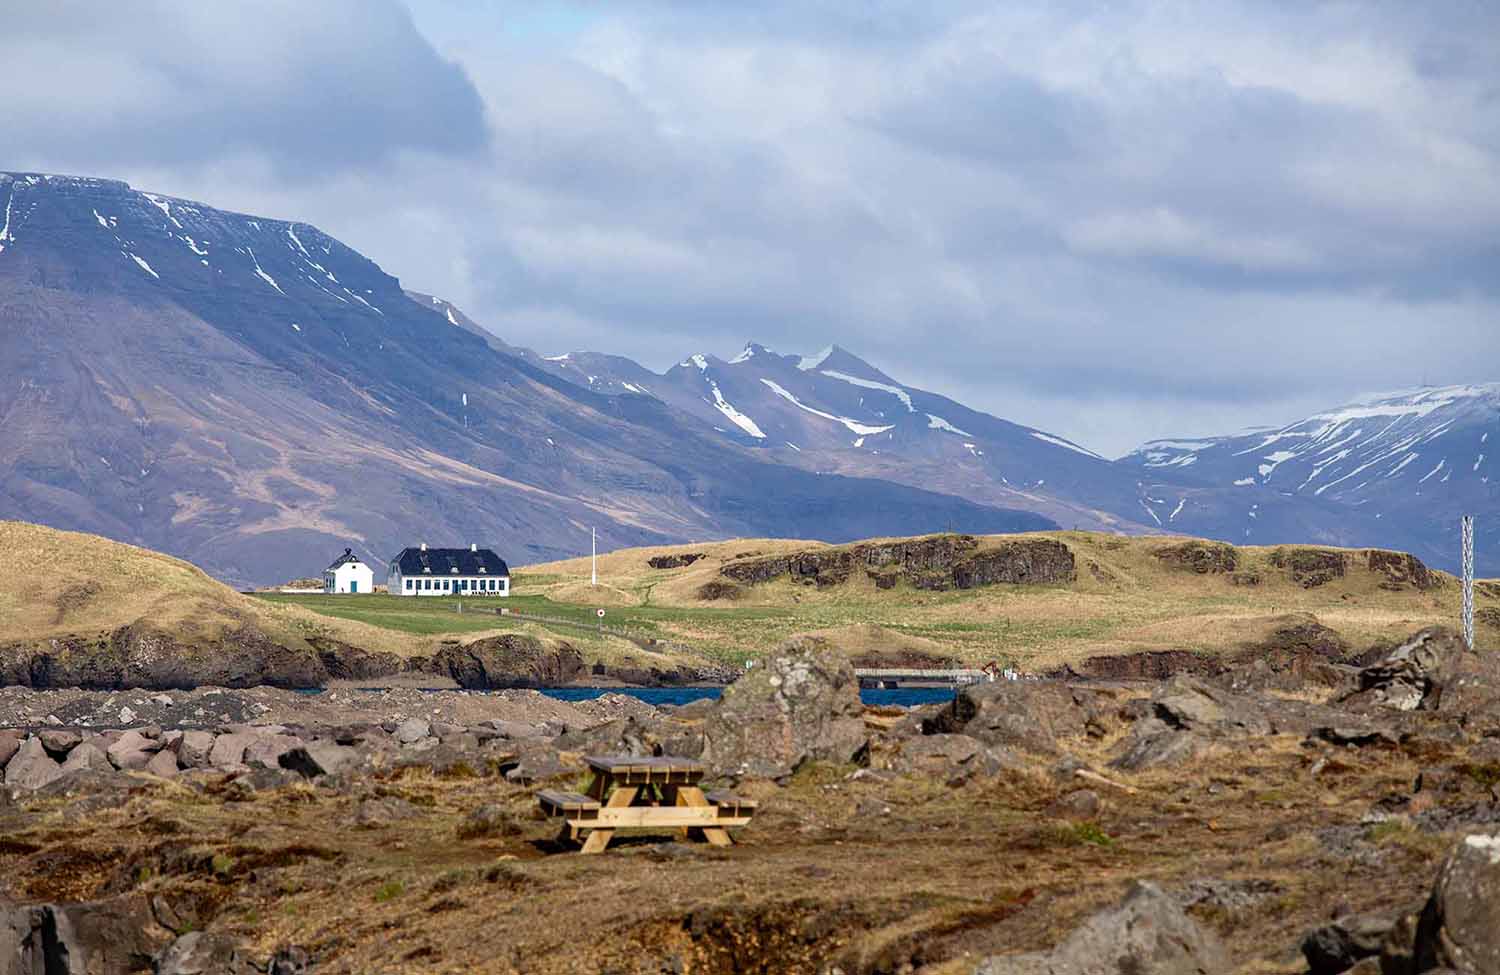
[[108, 614], [1127, 596], [254, 396]]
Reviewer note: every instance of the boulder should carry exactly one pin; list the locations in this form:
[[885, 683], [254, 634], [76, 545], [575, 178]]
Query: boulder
[[229, 750], [132, 751], [265, 751], [203, 953], [1152, 744], [1147, 934], [1337, 947], [87, 755], [10, 743], [802, 703], [59, 742], [194, 748], [316, 758], [1188, 704], [1411, 677], [1460, 926], [1016, 714], [163, 765], [31, 767], [412, 730]]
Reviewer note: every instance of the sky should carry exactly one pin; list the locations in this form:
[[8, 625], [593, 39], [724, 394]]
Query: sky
[[1117, 221]]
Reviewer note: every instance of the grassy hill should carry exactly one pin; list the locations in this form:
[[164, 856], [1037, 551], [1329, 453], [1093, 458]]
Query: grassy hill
[[1129, 595], [80, 584]]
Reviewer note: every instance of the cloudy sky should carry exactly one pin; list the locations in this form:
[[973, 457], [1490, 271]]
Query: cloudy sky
[[1114, 220]]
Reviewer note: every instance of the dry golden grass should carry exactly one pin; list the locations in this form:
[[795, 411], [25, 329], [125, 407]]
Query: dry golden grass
[[1126, 599]]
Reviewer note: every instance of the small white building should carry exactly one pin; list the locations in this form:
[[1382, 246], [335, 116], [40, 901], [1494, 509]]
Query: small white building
[[348, 574], [471, 571]]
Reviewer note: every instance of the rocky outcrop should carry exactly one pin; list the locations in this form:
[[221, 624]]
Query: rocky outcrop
[[676, 561], [139, 656], [1310, 567], [800, 703], [1413, 675], [1147, 934], [1401, 571], [939, 562], [1203, 558], [512, 660]]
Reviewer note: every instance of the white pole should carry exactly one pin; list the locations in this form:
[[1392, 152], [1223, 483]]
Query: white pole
[[593, 557], [1468, 566]]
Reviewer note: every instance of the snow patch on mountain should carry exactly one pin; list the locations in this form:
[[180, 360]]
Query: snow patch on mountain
[[735, 416], [895, 391], [863, 429], [144, 266], [938, 423], [808, 363], [1060, 442]]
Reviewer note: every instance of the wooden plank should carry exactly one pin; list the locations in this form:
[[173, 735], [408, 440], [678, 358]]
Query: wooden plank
[[666, 817], [722, 798], [642, 764], [552, 799]]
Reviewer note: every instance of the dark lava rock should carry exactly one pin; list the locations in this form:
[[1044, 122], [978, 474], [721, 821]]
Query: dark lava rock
[[1147, 934]]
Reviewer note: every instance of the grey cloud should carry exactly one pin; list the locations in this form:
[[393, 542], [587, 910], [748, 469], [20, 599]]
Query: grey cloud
[[310, 88]]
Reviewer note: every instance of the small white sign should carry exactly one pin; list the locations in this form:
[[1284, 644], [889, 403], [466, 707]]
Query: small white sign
[[601, 613]]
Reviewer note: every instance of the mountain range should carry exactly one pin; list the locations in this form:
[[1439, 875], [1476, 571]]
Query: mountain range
[[254, 395]]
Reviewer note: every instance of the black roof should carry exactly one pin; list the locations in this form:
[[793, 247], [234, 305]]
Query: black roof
[[450, 561], [348, 556]]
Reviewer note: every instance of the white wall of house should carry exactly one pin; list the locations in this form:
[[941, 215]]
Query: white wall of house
[[349, 577], [449, 585]]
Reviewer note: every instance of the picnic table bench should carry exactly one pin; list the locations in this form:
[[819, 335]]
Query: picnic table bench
[[630, 792]]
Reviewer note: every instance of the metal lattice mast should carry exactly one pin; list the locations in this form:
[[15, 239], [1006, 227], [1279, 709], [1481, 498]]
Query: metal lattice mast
[[1468, 561]]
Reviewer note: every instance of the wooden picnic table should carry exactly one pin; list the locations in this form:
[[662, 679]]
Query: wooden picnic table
[[631, 792]]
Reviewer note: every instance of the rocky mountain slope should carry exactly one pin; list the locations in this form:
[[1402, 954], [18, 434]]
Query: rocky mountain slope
[[1419, 459], [254, 395]]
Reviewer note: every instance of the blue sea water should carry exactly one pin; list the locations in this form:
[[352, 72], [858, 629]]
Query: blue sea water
[[904, 697]]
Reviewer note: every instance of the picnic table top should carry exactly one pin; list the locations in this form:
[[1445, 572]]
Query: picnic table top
[[638, 764]]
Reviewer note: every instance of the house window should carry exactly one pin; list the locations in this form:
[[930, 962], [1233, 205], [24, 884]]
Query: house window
[[408, 585]]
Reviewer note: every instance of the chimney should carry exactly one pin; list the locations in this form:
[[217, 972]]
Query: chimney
[[424, 546], [473, 547]]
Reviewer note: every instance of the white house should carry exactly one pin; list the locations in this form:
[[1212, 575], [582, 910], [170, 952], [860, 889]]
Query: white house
[[348, 574], [471, 571]]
